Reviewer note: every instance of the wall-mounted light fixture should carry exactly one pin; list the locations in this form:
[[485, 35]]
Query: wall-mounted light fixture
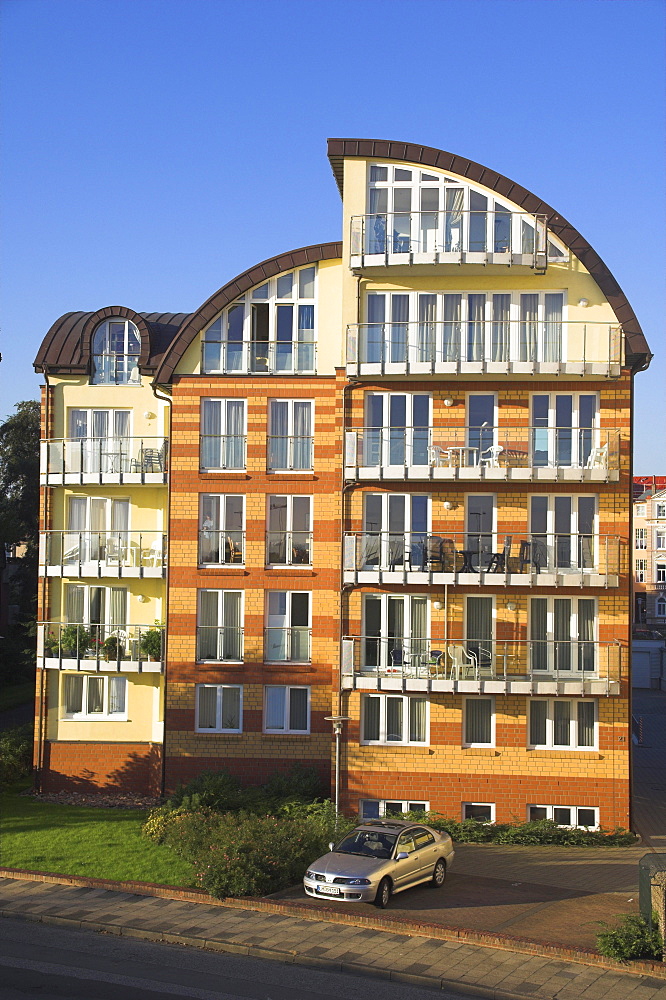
[[450, 505], [142, 599], [511, 605], [437, 605], [148, 415], [448, 401], [583, 302]]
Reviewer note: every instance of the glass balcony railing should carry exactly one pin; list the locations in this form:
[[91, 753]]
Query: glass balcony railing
[[482, 452], [290, 452], [455, 236], [220, 642], [221, 547], [588, 558], [482, 659], [247, 357], [502, 347], [102, 553], [287, 644], [89, 645], [289, 548], [222, 451], [116, 369], [104, 460]]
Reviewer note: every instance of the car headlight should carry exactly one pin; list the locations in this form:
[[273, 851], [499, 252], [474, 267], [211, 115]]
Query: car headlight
[[359, 881], [309, 874]]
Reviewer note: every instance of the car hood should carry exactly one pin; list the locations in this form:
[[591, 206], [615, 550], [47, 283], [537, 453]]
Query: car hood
[[351, 865]]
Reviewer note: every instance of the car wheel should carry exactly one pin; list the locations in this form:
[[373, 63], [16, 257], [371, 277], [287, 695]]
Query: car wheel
[[439, 874], [383, 893]]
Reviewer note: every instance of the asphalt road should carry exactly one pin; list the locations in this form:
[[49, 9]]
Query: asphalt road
[[57, 964]]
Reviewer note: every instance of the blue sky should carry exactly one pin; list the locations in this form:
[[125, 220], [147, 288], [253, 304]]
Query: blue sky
[[153, 149]]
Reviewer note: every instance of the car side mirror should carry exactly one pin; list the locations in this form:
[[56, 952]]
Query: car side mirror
[[401, 855], [331, 846]]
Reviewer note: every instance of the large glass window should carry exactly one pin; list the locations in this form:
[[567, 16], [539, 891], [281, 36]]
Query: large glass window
[[562, 724], [395, 719], [564, 430], [562, 634], [220, 625], [93, 696], [288, 626], [395, 532], [219, 708], [562, 532], [397, 429], [222, 434], [221, 529], [479, 722], [286, 709], [395, 632], [289, 537], [291, 435], [116, 347]]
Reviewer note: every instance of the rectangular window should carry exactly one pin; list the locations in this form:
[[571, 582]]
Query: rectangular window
[[219, 708], [377, 808], [220, 625], [580, 817], [482, 812], [660, 538], [221, 529], [661, 572], [641, 570], [479, 722], [660, 510], [641, 538], [291, 440], [223, 434], [94, 696], [395, 635], [562, 634], [391, 719], [288, 626], [559, 724], [640, 510], [286, 709], [289, 536]]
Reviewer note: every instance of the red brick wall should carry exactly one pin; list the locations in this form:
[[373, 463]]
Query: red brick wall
[[102, 767]]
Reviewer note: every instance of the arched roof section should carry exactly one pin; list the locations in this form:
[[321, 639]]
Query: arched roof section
[[638, 353], [237, 286], [66, 348]]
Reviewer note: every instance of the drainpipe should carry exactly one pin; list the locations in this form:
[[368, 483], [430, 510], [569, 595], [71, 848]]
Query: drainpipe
[[41, 726], [165, 398]]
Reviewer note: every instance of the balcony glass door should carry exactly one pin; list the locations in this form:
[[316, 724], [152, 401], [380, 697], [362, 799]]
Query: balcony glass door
[[395, 632], [397, 429], [395, 531], [563, 430]]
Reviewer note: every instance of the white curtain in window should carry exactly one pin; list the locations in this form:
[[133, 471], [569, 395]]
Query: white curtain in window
[[451, 328], [500, 328], [118, 607], [302, 435], [230, 708], [74, 545], [394, 721], [279, 429], [476, 305], [275, 706], [235, 450], [74, 602], [529, 309], [399, 328], [117, 695], [561, 723], [419, 629], [208, 624], [552, 331], [454, 220], [417, 720], [586, 723], [211, 434], [562, 623], [425, 346], [305, 349], [208, 696], [586, 615], [232, 642], [72, 692], [95, 695], [539, 634]]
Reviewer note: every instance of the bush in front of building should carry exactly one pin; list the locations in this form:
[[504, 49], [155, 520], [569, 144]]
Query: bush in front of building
[[15, 755], [543, 831], [222, 792], [632, 938]]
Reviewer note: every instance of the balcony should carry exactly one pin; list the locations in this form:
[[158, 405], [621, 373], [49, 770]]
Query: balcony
[[526, 454], [102, 553], [288, 548], [253, 357], [467, 666], [221, 547], [220, 643], [103, 460], [100, 647], [116, 369], [528, 560], [540, 347], [453, 237]]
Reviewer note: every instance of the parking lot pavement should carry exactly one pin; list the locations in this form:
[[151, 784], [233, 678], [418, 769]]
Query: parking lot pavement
[[420, 959]]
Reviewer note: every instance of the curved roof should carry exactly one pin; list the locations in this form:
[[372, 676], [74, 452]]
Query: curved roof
[[638, 353], [253, 276], [66, 347]]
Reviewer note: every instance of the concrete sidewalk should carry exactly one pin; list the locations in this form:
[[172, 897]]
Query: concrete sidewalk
[[426, 954]]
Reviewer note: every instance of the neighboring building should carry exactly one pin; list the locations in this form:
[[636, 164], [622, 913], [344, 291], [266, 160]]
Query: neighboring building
[[649, 558], [394, 476], [647, 484]]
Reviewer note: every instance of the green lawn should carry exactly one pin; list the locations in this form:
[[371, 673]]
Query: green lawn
[[78, 840]]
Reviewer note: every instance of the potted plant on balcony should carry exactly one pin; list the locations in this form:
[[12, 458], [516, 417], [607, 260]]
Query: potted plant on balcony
[[51, 644], [151, 642], [114, 648], [74, 640]]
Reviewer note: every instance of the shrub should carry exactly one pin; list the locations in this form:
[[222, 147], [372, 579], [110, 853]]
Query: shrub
[[632, 938], [471, 831], [210, 789], [151, 641], [221, 791], [15, 754]]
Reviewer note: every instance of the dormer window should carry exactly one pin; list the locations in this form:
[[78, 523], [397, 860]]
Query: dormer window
[[116, 346]]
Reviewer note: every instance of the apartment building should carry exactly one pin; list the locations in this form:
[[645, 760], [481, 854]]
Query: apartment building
[[392, 475], [649, 558]]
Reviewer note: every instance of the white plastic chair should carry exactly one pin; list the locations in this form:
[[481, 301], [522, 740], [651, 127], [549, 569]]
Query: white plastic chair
[[489, 459], [461, 661], [598, 458]]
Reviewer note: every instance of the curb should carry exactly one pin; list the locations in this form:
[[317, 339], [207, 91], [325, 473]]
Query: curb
[[411, 928]]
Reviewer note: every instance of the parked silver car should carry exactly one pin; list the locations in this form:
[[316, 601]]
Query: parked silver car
[[379, 858]]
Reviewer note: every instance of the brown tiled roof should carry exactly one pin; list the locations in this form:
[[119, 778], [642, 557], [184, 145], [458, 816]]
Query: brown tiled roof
[[638, 353], [66, 347], [254, 276]]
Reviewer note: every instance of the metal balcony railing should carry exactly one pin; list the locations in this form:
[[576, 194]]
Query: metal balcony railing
[[220, 642], [102, 553], [246, 357], [105, 459], [287, 644], [422, 348], [289, 548], [481, 659], [88, 645], [453, 236], [225, 547], [290, 452], [116, 369], [222, 451], [443, 452], [376, 553]]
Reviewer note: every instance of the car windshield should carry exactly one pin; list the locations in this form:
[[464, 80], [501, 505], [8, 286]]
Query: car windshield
[[368, 843]]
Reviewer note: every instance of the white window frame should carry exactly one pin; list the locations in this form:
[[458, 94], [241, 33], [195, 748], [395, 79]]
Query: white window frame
[[383, 640], [290, 435], [87, 589], [288, 531], [573, 745], [406, 700], [221, 528], [383, 431], [640, 510], [550, 813], [493, 720], [286, 730], [131, 373], [223, 435], [574, 642], [552, 426], [219, 626], [406, 806], [485, 805], [660, 572], [660, 539], [287, 625], [104, 715], [573, 533], [640, 538], [641, 570], [660, 607], [220, 689], [660, 509]]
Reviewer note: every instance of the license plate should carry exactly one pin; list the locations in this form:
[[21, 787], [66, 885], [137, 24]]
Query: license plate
[[329, 890]]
